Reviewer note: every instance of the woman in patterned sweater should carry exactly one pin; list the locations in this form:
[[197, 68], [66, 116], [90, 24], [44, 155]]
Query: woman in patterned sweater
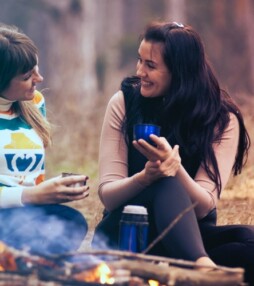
[[31, 214]]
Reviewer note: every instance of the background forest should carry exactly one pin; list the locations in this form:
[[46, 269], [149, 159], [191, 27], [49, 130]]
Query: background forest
[[88, 46]]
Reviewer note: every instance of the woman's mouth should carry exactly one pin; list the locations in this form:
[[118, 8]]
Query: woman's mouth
[[146, 84], [32, 90]]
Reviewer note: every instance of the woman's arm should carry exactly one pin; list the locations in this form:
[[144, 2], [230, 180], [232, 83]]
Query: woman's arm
[[202, 189], [54, 191], [115, 187]]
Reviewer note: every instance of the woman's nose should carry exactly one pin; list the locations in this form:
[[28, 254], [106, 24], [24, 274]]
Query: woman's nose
[[38, 77], [140, 71]]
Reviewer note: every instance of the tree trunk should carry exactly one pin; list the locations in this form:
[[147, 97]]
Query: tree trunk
[[175, 11], [248, 17]]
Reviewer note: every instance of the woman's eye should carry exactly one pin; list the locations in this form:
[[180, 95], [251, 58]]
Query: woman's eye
[[27, 76], [151, 66]]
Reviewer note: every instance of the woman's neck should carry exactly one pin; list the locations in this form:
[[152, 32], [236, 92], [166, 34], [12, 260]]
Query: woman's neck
[[5, 104]]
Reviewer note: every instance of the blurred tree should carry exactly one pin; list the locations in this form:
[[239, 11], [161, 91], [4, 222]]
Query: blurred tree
[[222, 25], [247, 7], [175, 10], [71, 37], [72, 76]]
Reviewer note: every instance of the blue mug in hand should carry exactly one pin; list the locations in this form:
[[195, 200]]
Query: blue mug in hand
[[143, 131]]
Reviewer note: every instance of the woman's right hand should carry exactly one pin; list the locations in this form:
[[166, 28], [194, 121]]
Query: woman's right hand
[[158, 169], [163, 160], [57, 190]]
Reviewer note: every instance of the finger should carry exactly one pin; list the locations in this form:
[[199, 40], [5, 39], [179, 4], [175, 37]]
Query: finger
[[73, 191], [78, 197], [161, 142], [176, 149], [74, 179], [153, 164], [146, 149], [140, 147], [146, 144]]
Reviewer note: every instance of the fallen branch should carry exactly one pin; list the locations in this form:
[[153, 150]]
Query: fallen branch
[[168, 228]]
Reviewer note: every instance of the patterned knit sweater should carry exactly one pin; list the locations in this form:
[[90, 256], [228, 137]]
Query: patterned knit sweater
[[21, 154]]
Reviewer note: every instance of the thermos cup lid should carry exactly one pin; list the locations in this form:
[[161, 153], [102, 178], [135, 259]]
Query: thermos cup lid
[[133, 209]]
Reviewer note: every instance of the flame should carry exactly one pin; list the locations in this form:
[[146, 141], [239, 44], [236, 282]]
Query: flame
[[7, 259], [105, 274], [153, 282], [100, 274]]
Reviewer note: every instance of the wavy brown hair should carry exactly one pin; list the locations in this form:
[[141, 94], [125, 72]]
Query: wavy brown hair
[[18, 55]]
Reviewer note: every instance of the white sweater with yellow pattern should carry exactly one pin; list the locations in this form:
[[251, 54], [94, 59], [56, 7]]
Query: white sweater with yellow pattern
[[21, 154]]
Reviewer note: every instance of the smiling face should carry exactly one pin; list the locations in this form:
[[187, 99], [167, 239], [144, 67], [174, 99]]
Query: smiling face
[[153, 72], [22, 86]]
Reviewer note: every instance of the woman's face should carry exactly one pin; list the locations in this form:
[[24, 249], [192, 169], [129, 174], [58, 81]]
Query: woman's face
[[153, 72], [22, 86]]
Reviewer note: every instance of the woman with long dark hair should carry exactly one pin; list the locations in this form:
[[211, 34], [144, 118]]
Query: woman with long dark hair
[[203, 139]]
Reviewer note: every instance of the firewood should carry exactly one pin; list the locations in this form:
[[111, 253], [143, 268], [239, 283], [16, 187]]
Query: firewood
[[170, 275]]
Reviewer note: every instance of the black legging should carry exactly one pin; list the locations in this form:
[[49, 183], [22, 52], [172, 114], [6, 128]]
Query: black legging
[[165, 199], [229, 245], [46, 229]]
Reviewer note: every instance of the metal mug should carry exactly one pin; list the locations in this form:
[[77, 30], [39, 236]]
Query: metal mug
[[143, 131]]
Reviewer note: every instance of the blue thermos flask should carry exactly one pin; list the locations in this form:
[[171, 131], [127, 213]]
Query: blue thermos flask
[[133, 235]]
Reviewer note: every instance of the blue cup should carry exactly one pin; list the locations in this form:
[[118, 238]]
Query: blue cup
[[143, 131], [133, 234]]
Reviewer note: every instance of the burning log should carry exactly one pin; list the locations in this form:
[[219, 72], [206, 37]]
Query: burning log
[[93, 268], [7, 260], [168, 271]]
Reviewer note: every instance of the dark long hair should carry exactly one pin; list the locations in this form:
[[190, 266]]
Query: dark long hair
[[196, 111]]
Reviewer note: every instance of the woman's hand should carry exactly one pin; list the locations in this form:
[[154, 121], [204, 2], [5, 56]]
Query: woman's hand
[[57, 190], [163, 161], [160, 152]]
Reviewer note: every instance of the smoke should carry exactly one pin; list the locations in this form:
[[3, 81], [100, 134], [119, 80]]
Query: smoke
[[47, 229]]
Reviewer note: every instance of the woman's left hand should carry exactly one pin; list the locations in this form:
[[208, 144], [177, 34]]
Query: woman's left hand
[[168, 156]]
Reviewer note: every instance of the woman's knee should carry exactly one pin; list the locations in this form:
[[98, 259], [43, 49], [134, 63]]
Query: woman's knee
[[169, 192]]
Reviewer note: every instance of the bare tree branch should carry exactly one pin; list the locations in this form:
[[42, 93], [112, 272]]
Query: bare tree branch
[[168, 228]]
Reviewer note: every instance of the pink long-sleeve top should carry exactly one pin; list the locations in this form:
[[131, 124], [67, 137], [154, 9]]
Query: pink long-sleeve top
[[116, 188]]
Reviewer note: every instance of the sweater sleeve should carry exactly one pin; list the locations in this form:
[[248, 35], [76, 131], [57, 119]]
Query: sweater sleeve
[[11, 197], [115, 187], [202, 189]]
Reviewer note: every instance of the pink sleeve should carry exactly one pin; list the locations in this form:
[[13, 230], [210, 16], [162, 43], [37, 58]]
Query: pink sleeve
[[202, 189], [225, 152], [115, 187]]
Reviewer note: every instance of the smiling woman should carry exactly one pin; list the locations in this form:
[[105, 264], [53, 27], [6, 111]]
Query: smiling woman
[[202, 140], [152, 70], [23, 86], [31, 214]]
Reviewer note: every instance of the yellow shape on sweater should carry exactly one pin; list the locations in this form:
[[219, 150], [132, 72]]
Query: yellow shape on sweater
[[21, 141]]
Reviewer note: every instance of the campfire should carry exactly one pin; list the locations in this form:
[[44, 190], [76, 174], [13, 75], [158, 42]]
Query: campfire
[[108, 267]]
